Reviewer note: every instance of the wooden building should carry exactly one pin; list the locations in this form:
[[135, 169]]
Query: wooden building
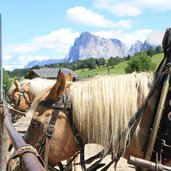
[[50, 73]]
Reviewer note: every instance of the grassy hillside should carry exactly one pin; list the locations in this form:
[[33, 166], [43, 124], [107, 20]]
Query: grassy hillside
[[157, 58], [117, 69]]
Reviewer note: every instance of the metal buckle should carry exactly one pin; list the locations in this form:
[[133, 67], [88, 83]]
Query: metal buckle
[[77, 138], [50, 130]]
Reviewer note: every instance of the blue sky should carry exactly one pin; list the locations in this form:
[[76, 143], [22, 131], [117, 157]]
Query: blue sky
[[46, 29]]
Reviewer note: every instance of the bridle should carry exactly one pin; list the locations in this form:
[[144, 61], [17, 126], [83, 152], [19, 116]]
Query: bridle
[[21, 94], [64, 105]]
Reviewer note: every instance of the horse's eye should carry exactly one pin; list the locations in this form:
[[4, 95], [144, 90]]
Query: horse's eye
[[35, 124]]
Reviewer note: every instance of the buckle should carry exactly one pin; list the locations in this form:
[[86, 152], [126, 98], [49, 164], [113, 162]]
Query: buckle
[[79, 139], [50, 131]]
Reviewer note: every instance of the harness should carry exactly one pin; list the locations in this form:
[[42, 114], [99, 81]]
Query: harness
[[61, 104], [43, 146]]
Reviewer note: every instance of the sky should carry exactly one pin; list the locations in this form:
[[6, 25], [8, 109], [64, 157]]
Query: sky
[[46, 29]]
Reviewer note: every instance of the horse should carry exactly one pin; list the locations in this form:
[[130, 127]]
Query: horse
[[21, 94], [98, 109]]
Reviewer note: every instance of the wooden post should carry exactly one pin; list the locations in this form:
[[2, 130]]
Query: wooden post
[[2, 164], [108, 70], [1, 69]]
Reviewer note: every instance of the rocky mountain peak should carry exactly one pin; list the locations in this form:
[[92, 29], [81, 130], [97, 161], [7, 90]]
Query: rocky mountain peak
[[88, 45]]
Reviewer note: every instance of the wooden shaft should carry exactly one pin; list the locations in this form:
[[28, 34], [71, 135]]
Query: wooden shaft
[[141, 163], [157, 120]]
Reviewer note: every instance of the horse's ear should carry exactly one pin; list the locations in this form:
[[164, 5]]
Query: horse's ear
[[69, 77], [59, 87], [17, 84]]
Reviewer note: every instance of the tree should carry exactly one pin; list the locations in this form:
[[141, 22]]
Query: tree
[[113, 61], [140, 62], [159, 49], [6, 81], [100, 61], [91, 63], [128, 57], [150, 52]]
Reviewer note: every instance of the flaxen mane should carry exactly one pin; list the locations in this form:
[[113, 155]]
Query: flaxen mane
[[36, 85], [105, 104], [39, 84]]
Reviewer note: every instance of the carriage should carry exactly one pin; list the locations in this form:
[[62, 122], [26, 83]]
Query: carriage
[[129, 115]]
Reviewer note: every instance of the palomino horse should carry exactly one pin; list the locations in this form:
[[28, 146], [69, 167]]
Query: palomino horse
[[22, 94], [98, 110]]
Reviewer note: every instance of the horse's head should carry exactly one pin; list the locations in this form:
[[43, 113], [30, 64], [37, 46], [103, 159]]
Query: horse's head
[[48, 110], [20, 96]]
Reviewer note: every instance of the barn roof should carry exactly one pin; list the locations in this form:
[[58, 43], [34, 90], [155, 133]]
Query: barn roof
[[50, 72]]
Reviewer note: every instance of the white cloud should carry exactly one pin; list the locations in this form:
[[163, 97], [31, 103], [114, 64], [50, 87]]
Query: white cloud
[[56, 44], [155, 37], [87, 17], [129, 38], [61, 36], [131, 7], [59, 40]]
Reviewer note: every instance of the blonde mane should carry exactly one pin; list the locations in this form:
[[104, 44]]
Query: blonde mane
[[36, 85], [39, 84], [105, 104]]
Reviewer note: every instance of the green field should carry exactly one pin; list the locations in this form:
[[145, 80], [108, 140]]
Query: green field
[[117, 69]]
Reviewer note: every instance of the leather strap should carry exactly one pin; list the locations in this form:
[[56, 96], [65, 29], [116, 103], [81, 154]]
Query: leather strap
[[78, 138], [49, 132]]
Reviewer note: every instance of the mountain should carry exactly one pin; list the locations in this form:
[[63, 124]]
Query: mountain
[[43, 62], [140, 47], [88, 45]]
